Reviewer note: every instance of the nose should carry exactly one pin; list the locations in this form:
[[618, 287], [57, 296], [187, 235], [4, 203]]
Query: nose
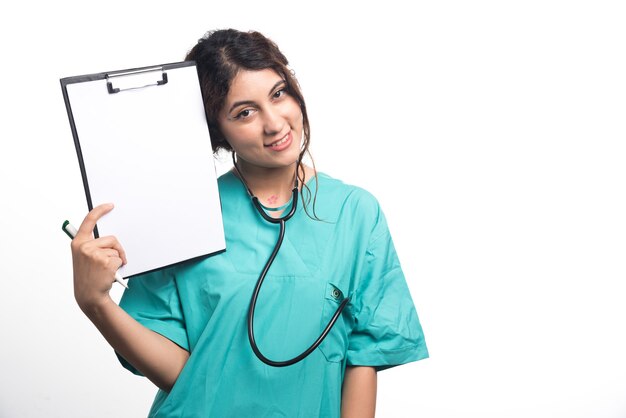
[[273, 121]]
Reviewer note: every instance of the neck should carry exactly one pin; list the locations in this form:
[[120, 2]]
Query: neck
[[272, 186]]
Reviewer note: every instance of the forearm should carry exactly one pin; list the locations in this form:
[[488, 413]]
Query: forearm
[[155, 356], [95, 262], [358, 394]]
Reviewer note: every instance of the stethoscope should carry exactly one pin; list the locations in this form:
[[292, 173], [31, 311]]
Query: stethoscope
[[257, 288]]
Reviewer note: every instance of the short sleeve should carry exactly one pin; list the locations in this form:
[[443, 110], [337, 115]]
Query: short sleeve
[[387, 330], [153, 300]]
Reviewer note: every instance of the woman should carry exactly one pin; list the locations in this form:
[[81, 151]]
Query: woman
[[185, 327]]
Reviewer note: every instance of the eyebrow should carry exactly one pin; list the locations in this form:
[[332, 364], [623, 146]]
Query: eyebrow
[[250, 102]]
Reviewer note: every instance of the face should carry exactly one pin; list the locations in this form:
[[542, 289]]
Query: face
[[261, 121]]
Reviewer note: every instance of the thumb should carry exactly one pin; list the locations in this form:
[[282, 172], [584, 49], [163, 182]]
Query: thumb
[[85, 230]]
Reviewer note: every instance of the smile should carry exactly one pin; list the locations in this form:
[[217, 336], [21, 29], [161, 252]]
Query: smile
[[281, 142]]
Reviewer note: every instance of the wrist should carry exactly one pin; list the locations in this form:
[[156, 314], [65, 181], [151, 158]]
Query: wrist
[[94, 307]]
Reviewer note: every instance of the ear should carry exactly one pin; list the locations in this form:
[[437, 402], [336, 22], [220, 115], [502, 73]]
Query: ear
[[218, 140]]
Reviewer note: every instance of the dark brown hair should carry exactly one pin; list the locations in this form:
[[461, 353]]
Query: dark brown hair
[[219, 56]]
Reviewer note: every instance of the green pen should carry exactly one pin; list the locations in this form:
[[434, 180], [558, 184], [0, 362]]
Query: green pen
[[71, 232]]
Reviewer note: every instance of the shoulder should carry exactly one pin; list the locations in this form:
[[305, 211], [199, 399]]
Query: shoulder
[[331, 185], [356, 199], [230, 187], [228, 179]]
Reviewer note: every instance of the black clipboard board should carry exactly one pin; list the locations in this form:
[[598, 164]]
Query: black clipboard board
[[143, 143]]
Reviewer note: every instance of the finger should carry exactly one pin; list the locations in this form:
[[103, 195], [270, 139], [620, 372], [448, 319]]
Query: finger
[[114, 263], [110, 252], [86, 228], [111, 242]]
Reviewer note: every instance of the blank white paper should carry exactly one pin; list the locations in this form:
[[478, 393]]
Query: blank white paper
[[148, 151]]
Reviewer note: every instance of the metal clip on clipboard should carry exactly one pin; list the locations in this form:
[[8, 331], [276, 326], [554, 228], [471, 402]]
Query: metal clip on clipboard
[[135, 79]]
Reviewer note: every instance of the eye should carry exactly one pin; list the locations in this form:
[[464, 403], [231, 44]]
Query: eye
[[279, 93], [244, 114]]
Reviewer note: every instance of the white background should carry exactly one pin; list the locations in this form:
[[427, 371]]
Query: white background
[[492, 132]]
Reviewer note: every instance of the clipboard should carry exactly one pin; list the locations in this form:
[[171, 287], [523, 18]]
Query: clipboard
[[143, 143]]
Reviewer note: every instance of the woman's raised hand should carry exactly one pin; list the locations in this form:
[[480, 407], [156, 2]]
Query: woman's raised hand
[[95, 261]]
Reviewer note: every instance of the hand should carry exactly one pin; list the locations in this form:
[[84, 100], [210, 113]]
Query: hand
[[95, 261]]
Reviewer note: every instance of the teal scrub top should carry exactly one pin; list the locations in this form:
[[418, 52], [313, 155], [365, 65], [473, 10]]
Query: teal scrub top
[[202, 306]]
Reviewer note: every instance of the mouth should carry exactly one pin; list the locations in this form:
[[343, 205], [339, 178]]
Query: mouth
[[280, 142]]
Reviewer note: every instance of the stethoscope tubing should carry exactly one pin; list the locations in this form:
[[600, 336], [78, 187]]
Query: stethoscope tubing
[[257, 288], [253, 301]]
